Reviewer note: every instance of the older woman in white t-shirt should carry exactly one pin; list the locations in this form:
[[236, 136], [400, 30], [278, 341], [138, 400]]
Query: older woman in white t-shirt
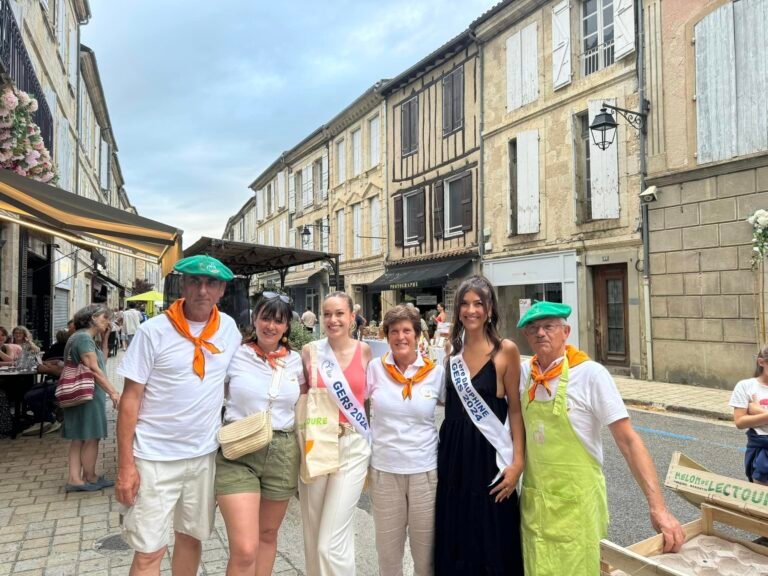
[[404, 389], [253, 491], [750, 410]]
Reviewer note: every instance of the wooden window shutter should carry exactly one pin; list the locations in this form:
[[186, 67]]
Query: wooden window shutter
[[529, 60], [528, 182], [405, 123], [447, 102], [624, 28], [466, 202], [437, 221], [458, 98], [414, 117], [421, 215], [604, 171], [514, 72], [399, 221], [561, 44]]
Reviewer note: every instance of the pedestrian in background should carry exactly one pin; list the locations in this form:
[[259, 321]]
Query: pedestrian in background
[[750, 410], [174, 373], [481, 451], [404, 389], [567, 399], [131, 322], [328, 503], [309, 320], [360, 323], [85, 425], [253, 491]]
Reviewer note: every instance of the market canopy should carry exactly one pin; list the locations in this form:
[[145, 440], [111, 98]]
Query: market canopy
[[245, 259], [418, 275], [69, 216], [151, 296]]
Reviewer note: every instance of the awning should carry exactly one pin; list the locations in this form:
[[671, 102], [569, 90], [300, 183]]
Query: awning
[[299, 278], [418, 275], [69, 216]]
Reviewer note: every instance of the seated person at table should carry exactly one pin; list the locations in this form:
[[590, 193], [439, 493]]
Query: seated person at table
[[9, 352], [41, 400]]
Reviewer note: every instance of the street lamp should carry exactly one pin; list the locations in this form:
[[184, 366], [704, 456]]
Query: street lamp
[[306, 234], [604, 125]]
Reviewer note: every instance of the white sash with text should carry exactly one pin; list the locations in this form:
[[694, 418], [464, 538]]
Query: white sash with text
[[339, 389], [481, 415]]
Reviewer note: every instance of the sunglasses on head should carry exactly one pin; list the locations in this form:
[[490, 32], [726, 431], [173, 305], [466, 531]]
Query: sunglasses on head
[[271, 295]]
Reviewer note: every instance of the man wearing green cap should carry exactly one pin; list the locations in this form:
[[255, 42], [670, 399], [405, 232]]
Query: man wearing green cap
[[567, 398], [169, 415]]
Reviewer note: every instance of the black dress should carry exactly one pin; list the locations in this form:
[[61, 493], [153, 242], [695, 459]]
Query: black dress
[[474, 536]]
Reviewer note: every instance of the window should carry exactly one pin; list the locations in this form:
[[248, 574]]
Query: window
[[283, 239], [341, 162], [373, 145], [306, 180], [453, 101], [411, 213], [409, 126], [297, 187], [317, 180], [261, 236], [454, 194], [325, 232], [271, 236], [269, 199], [453, 206], [340, 234], [597, 34], [583, 169], [357, 153], [512, 149], [312, 300], [357, 228], [375, 227]]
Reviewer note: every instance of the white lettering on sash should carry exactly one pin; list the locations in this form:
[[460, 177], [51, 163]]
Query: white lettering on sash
[[339, 389], [481, 415]]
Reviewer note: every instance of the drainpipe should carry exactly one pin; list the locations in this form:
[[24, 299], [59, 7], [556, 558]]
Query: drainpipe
[[644, 209], [480, 164]]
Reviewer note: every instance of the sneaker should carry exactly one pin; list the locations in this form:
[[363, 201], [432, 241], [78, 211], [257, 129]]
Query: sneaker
[[54, 426], [104, 482], [34, 430]]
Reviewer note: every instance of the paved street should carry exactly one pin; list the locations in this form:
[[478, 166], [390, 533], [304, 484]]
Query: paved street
[[46, 532]]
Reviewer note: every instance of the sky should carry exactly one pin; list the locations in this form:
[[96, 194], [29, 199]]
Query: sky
[[204, 95]]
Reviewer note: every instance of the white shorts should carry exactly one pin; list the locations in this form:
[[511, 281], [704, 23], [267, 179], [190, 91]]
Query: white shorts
[[179, 489]]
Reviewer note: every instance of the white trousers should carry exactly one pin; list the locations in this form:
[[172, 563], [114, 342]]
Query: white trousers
[[327, 511], [404, 502]]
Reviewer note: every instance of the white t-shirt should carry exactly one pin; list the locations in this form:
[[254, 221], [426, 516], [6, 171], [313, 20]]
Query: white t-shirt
[[591, 398], [249, 380], [131, 321], [180, 414], [742, 396], [403, 431]]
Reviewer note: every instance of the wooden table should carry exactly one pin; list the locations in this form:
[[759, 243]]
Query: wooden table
[[15, 384]]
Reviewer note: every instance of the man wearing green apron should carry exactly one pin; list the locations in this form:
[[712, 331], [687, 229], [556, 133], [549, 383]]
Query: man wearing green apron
[[566, 398]]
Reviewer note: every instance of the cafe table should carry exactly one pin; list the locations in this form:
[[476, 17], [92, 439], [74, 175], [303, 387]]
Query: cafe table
[[16, 383]]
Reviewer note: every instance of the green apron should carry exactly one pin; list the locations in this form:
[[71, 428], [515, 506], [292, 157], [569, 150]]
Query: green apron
[[564, 508]]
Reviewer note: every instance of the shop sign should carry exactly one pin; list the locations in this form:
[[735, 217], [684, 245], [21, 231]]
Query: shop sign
[[403, 285], [426, 300]]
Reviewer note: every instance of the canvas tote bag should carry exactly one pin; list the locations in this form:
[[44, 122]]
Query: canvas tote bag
[[317, 426]]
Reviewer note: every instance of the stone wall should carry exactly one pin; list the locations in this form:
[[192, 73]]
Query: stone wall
[[702, 287]]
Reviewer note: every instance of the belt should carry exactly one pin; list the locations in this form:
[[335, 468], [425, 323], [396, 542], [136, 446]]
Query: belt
[[289, 431], [345, 429]]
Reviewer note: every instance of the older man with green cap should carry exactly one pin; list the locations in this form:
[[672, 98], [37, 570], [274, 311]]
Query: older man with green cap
[[566, 399], [169, 415]]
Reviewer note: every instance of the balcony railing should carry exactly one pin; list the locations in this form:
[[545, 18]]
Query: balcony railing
[[597, 58], [17, 66]]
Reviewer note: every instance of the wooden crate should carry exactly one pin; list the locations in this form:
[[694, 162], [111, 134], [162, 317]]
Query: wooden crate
[[719, 499]]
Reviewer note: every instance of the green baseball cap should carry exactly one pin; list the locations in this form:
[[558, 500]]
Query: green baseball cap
[[202, 265], [544, 310]]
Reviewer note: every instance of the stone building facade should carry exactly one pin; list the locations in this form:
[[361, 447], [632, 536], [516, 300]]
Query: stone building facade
[[561, 216], [708, 138]]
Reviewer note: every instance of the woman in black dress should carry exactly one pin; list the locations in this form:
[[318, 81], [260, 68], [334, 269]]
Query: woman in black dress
[[477, 528]]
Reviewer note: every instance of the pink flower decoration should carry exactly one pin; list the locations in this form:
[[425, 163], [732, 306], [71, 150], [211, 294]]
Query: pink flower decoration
[[9, 100]]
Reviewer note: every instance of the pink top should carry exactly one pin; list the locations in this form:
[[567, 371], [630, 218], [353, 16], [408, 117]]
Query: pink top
[[355, 375]]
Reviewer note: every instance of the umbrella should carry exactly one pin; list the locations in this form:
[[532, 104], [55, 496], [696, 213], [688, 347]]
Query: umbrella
[[151, 296]]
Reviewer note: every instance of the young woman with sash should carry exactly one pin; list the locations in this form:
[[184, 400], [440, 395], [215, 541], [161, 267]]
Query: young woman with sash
[[481, 452], [253, 491], [328, 503], [404, 389]]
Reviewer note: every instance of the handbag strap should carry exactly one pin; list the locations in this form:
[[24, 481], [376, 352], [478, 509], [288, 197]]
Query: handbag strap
[[274, 387], [312, 365]]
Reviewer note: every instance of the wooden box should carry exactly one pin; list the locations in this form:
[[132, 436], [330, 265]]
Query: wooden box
[[735, 503]]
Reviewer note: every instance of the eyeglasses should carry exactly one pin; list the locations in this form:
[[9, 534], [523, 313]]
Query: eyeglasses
[[271, 295], [549, 328]]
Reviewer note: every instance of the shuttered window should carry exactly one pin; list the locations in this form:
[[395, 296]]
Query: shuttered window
[[414, 217], [341, 162], [374, 137], [306, 183], [522, 67], [292, 188], [340, 237], [561, 44], [357, 228], [453, 101], [512, 162], [324, 175], [283, 239], [457, 202], [731, 81], [322, 227], [597, 17], [528, 182], [357, 152], [317, 180], [603, 172], [375, 227], [409, 126], [581, 156], [281, 189]]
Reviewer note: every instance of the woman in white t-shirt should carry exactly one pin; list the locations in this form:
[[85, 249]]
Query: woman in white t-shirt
[[404, 389], [750, 410], [253, 491]]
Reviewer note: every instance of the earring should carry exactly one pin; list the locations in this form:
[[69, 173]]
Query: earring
[[284, 339]]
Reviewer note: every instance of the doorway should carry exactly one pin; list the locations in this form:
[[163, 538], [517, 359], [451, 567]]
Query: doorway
[[611, 314]]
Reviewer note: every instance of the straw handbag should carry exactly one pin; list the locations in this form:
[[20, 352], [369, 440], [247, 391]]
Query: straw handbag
[[252, 433]]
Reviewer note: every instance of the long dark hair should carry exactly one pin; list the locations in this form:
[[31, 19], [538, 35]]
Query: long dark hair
[[481, 286], [273, 309]]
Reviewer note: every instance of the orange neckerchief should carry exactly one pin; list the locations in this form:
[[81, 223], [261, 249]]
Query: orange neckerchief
[[575, 357], [176, 316], [269, 357], [407, 383]]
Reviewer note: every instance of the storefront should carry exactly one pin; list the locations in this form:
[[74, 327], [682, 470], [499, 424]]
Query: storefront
[[519, 281]]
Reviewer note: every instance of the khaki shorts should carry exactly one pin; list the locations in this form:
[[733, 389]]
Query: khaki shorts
[[273, 471], [181, 490]]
